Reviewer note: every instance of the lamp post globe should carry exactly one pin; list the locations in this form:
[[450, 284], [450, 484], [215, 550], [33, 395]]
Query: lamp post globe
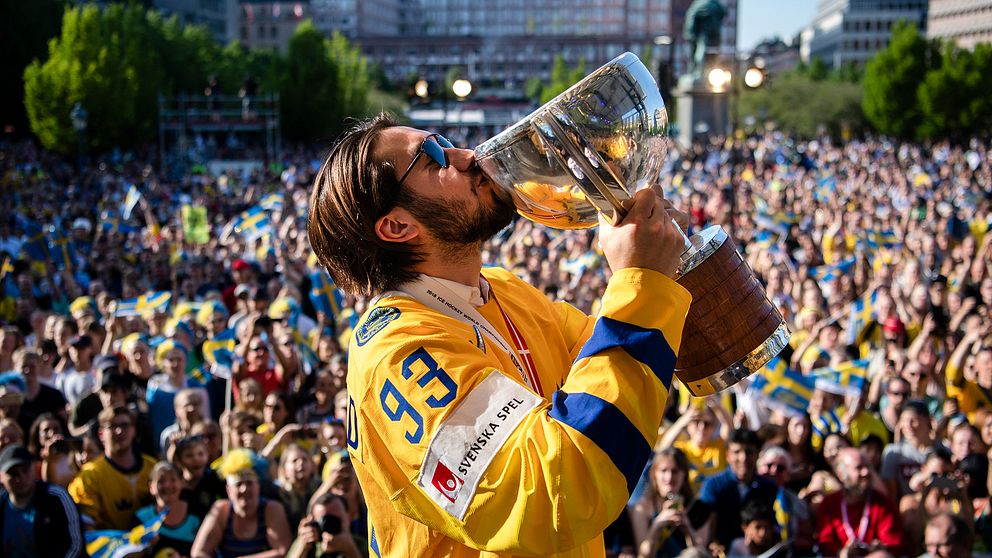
[[461, 88], [421, 89], [754, 77]]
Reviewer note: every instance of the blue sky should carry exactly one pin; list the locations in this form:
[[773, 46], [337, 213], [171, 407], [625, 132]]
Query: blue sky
[[761, 19]]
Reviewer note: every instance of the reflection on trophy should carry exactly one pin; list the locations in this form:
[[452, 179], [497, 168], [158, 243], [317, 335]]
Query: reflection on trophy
[[591, 148]]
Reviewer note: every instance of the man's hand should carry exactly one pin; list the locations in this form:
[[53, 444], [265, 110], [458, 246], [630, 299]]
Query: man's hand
[[308, 533], [646, 237]]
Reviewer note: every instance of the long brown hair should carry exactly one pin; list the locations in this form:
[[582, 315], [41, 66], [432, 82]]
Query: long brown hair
[[352, 191]]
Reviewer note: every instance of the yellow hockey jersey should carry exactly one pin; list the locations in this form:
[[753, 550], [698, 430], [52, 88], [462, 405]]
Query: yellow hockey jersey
[[458, 457], [110, 497]]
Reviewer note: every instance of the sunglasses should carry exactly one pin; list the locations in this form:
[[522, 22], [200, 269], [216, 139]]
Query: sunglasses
[[434, 146]]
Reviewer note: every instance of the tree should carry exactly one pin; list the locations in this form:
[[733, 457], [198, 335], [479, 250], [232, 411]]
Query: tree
[[954, 96], [354, 81], [25, 29], [892, 79], [803, 106], [562, 78], [309, 91], [105, 60]]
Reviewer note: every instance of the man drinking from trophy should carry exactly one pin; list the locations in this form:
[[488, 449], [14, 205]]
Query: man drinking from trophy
[[482, 416]]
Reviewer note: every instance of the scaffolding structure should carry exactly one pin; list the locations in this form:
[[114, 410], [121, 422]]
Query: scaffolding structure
[[245, 120]]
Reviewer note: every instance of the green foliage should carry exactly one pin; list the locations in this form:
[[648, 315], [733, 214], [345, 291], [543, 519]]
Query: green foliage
[[891, 81], [25, 29], [802, 105], [533, 87], [105, 60], [354, 80], [562, 78], [954, 96], [307, 95]]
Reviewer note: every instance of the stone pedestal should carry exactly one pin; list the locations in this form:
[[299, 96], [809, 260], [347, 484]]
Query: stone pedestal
[[700, 112]]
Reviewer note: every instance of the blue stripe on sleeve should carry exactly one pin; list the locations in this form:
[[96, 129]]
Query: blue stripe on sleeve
[[608, 428], [648, 346], [374, 544]]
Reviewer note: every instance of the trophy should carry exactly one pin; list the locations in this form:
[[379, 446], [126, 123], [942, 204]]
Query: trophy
[[590, 149]]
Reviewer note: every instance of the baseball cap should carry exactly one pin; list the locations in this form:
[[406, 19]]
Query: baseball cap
[[242, 290], [80, 341], [240, 264], [105, 363], [82, 223], [12, 456], [10, 395], [113, 380], [894, 325]]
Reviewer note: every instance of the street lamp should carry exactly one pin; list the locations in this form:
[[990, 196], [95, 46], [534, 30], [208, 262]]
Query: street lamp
[[422, 89], [461, 88], [78, 117], [718, 79]]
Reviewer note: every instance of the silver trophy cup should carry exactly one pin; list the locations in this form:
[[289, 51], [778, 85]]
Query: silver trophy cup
[[585, 153]]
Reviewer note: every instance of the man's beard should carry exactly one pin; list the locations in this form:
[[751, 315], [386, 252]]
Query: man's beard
[[455, 226]]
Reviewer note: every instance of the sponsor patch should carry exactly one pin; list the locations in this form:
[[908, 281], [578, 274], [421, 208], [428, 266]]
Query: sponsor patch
[[376, 321], [467, 441]]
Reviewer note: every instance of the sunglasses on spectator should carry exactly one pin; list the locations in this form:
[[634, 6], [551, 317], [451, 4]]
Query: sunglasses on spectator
[[259, 348], [434, 146]]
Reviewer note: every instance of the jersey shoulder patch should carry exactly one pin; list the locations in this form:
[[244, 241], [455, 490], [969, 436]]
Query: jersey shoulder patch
[[376, 321]]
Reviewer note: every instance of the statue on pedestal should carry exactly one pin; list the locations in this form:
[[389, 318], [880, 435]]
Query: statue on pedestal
[[702, 31]]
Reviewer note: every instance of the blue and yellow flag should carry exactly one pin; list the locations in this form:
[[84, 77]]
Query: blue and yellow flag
[[783, 388], [847, 378], [154, 301], [118, 226], [6, 269], [324, 295], [783, 514], [130, 201], [253, 224], [272, 202], [112, 544], [219, 350], [862, 311], [826, 273], [61, 250]]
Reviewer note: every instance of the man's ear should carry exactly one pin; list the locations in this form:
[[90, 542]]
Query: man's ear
[[397, 226]]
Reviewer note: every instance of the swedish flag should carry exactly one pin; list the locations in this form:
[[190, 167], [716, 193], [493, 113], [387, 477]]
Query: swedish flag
[[862, 311], [61, 250], [324, 295], [272, 202], [783, 514], [130, 201], [127, 307], [154, 301], [783, 388], [6, 269], [253, 224], [219, 350], [118, 226], [827, 273], [847, 378], [110, 543]]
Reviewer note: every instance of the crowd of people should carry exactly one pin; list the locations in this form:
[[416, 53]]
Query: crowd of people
[[156, 369]]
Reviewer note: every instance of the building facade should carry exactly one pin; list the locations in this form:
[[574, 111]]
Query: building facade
[[219, 16], [966, 22], [851, 31]]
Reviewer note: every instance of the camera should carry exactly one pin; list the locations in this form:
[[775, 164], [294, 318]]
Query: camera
[[330, 524]]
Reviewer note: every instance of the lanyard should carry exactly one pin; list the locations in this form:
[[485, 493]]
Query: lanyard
[[435, 295], [521, 345], [862, 526]]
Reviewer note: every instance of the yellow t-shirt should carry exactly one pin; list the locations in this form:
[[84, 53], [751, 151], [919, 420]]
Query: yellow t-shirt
[[971, 397], [108, 496], [704, 461]]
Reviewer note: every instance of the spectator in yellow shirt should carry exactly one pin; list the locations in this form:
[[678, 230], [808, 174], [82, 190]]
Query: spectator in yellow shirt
[[703, 444]]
